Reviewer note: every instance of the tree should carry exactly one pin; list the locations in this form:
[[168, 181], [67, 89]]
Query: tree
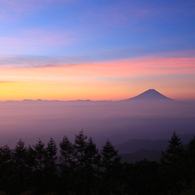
[[20, 164], [174, 151], [6, 167], [38, 152], [147, 176], [66, 151], [66, 164], [92, 165], [92, 156], [109, 156], [51, 154], [50, 170], [190, 156], [172, 164], [111, 168], [79, 146]]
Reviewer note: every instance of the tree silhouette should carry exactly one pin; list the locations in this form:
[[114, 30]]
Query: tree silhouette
[[79, 159], [39, 155], [81, 169], [147, 176], [51, 155], [172, 163], [109, 156], [174, 151], [92, 164], [66, 151], [50, 169], [190, 157], [6, 168], [20, 164], [111, 167], [66, 164], [92, 156]]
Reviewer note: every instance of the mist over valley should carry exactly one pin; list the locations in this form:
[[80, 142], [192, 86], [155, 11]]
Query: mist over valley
[[120, 121]]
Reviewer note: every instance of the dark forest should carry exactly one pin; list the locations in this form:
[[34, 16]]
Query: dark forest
[[81, 168]]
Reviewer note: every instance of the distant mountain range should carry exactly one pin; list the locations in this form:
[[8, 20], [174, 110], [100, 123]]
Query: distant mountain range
[[134, 145], [135, 150], [150, 94], [151, 155]]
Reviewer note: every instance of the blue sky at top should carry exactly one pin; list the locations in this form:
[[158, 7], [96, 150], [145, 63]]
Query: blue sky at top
[[99, 30]]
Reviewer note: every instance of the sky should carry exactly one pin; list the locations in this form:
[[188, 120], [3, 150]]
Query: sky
[[96, 49]]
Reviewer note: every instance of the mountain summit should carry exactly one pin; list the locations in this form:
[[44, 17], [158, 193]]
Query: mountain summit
[[150, 94]]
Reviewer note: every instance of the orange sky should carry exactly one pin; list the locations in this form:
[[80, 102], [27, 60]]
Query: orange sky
[[98, 50], [110, 80]]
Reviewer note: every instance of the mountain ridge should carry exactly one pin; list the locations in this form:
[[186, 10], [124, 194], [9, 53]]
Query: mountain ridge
[[150, 94], [139, 155]]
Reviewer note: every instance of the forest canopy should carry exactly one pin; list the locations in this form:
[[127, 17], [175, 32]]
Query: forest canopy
[[79, 167]]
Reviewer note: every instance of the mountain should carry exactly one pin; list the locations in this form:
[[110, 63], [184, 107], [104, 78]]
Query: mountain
[[150, 94], [151, 155], [134, 145]]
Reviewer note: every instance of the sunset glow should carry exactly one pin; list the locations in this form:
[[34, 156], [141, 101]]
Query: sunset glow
[[113, 53]]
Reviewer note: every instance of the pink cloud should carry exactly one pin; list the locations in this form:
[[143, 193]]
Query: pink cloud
[[114, 68], [128, 68], [160, 65]]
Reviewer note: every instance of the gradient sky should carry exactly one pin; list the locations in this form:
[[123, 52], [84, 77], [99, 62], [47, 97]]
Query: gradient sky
[[96, 49]]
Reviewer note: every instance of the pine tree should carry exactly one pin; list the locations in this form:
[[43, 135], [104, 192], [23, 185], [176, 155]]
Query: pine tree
[[172, 164], [39, 155], [111, 168], [92, 156], [79, 149], [50, 170], [191, 149], [174, 151], [66, 164], [79, 146], [191, 159], [109, 156], [51, 154], [20, 154], [92, 165], [6, 168], [66, 151]]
